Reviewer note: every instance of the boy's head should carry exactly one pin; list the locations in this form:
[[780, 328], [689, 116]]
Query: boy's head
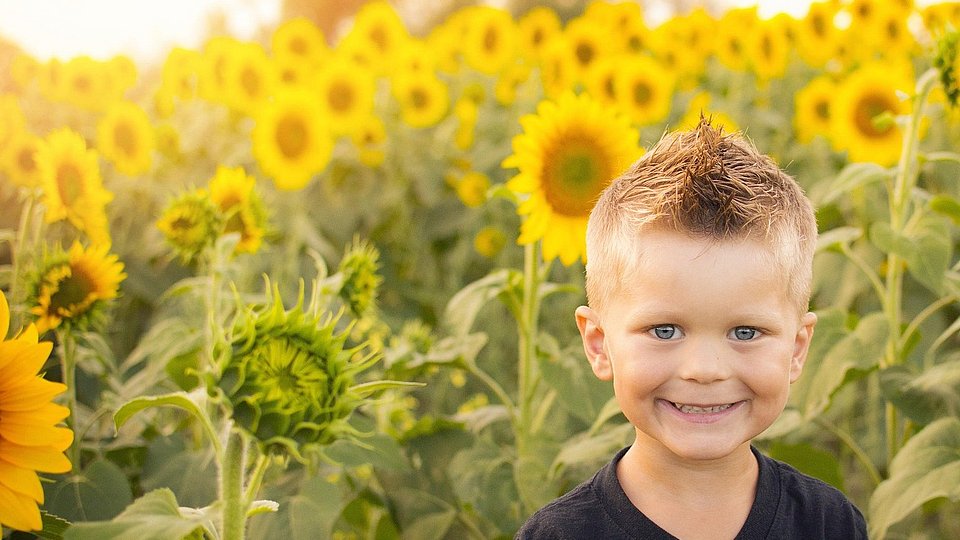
[[706, 184]]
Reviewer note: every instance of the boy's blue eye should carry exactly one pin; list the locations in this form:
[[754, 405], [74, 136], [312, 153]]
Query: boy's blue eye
[[666, 331], [744, 333]]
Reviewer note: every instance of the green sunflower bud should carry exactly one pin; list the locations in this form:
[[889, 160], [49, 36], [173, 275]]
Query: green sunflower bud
[[947, 61], [358, 269], [289, 378], [191, 224]]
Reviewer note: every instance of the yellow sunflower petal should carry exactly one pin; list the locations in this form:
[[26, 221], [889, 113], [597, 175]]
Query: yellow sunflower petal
[[43, 458], [20, 480], [4, 317], [18, 511], [20, 361], [24, 397]]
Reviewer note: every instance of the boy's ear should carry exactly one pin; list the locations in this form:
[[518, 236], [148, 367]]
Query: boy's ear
[[588, 321], [801, 345]]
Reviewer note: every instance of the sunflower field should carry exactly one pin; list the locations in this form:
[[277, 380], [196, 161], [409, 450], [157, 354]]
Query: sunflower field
[[321, 285]]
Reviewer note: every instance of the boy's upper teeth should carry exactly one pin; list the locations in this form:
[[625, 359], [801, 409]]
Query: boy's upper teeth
[[700, 410]]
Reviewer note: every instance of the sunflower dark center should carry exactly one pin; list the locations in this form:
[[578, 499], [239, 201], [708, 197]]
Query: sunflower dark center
[[69, 183], [642, 93], [866, 111], [822, 109], [341, 96], [125, 138], [298, 46], [292, 136], [73, 292], [419, 98], [573, 179], [26, 161], [584, 53], [491, 39], [251, 82]]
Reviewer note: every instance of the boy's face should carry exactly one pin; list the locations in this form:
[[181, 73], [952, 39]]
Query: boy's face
[[701, 342]]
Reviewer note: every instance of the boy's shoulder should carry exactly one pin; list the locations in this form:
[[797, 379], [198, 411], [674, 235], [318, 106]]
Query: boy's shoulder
[[788, 504]]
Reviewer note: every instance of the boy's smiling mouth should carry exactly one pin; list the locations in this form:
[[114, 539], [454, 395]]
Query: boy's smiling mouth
[[701, 409]]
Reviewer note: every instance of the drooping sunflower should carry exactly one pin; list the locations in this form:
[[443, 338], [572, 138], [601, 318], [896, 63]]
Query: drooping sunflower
[[423, 98], [489, 40], [569, 151], [250, 78], [234, 192], [72, 186], [72, 288], [31, 439], [212, 73], [535, 29], [19, 159], [857, 125], [812, 108], [180, 73], [125, 137], [360, 280], [290, 139], [298, 41], [346, 91], [191, 223], [644, 89]]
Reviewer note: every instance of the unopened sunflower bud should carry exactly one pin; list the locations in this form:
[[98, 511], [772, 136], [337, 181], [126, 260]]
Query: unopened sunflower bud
[[360, 279], [947, 61], [191, 223]]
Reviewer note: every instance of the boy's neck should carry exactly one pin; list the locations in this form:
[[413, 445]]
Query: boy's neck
[[671, 490]]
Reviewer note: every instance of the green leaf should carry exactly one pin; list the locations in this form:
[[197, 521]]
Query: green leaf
[[181, 400], [925, 397], [372, 387], [889, 241], [569, 373], [183, 466], [850, 178], [837, 359], [155, 516], [53, 526], [262, 507], [463, 307], [306, 514], [925, 469], [591, 451], [929, 259], [810, 460], [946, 205], [100, 491], [840, 235]]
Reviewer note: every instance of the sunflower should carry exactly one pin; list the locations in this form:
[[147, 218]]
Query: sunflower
[[191, 224], [812, 108], [558, 70], [861, 98], [569, 151], [368, 137], [298, 41], [12, 119], [72, 187], [381, 29], [700, 106], [489, 241], [19, 159], [768, 50], [290, 141], [733, 37], [288, 376], [489, 40], [50, 80], [122, 71], [31, 440], [817, 33], [644, 89], [472, 188], [125, 137], [249, 78], [84, 83], [947, 61], [346, 91], [509, 80], [535, 29], [599, 80], [466, 111], [423, 98], [360, 281], [212, 71], [234, 192], [24, 69], [417, 55], [181, 69], [72, 289], [588, 43]]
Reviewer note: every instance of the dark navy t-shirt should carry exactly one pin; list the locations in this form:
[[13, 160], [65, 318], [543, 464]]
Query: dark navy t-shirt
[[788, 505]]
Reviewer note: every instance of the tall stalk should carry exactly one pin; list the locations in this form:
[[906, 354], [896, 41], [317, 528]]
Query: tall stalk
[[68, 368], [900, 208], [527, 356], [232, 496]]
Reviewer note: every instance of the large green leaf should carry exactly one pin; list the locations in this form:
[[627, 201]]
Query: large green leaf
[[100, 491], [809, 460], [851, 177], [925, 469], [836, 358], [189, 470], [482, 477], [579, 392], [926, 248], [925, 397], [307, 514], [155, 516], [463, 307]]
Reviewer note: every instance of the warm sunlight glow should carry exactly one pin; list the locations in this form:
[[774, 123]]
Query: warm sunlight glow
[[141, 29]]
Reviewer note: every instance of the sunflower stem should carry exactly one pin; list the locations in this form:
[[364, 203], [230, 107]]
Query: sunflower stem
[[68, 368], [908, 169], [232, 497], [526, 369]]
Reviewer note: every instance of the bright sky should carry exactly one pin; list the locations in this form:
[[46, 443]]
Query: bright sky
[[146, 29]]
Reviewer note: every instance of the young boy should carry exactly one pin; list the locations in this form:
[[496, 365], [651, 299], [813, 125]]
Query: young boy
[[698, 279]]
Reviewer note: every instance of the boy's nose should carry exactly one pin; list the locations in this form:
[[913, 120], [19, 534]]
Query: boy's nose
[[704, 363]]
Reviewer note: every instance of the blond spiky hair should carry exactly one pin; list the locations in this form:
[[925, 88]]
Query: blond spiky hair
[[707, 184]]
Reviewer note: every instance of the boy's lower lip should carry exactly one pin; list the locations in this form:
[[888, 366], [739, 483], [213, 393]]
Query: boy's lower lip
[[700, 414]]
